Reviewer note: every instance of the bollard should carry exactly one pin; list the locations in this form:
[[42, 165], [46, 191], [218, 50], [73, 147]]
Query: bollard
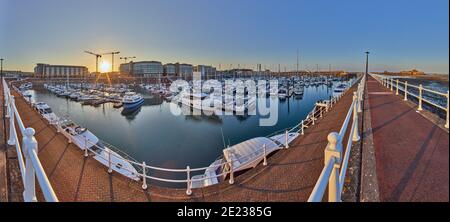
[[144, 176], [333, 150], [406, 91], [396, 90], [29, 145], [355, 119], [109, 162], [448, 101], [420, 98], [12, 129], [265, 157], [286, 144], [188, 190], [231, 181]]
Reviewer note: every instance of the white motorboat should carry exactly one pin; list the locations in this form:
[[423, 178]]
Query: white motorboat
[[46, 112], [242, 156], [83, 138], [132, 100]]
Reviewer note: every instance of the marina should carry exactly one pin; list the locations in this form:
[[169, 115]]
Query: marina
[[153, 119]]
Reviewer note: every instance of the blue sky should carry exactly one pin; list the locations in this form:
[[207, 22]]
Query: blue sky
[[401, 34]]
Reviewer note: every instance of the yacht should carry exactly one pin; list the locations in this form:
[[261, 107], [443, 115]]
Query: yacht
[[242, 156], [46, 112], [132, 100], [339, 89], [282, 93], [84, 138]]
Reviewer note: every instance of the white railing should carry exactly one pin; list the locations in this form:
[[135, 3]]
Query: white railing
[[31, 168], [394, 84], [144, 169], [334, 171]]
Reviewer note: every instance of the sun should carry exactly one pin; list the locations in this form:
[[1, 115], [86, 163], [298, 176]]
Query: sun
[[105, 66]]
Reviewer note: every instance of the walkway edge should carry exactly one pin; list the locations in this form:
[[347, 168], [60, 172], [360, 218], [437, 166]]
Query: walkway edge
[[369, 181]]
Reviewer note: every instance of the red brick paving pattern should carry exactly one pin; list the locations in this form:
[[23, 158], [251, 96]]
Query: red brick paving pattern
[[289, 176], [411, 152]]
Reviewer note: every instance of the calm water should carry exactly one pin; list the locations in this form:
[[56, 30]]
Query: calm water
[[153, 134]]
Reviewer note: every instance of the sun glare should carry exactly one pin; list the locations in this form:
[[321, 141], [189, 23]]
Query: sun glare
[[105, 66]]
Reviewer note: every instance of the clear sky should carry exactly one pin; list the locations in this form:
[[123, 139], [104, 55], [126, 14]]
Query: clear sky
[[401, 34]]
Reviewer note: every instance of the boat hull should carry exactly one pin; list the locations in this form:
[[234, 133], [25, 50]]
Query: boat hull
[[133, 105]]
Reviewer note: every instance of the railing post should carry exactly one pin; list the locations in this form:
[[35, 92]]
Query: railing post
[[406, 91], [286, 144], [86, 153], [360, 98], [265, 155], [392, 84], [333, 150], [8, 105], [448, 101], [29, 144], [420, 98], [12, 129], [396, 90], [144, 176], [355, 119], [189, 183], [303, 126], [231, 181], [109, 162]]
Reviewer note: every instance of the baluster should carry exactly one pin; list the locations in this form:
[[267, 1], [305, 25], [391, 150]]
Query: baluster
[[231, 181], [448, 101], [144, 176], [12, 129], [265, 157], [286, 144], [355, 119], [29, 145], [333, 150], [406, 91], [109, 162], [420, 98], [189, 183]]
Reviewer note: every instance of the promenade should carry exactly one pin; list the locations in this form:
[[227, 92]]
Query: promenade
[[411, 152], [289, 176]]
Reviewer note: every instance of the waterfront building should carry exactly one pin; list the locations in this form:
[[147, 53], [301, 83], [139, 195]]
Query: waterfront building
[[206, 72], [142, 68], [170, 69], [48, 71], [184, 70]]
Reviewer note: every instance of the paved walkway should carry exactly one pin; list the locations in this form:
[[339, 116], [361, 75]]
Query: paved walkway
[[290, 175], [412, 153]]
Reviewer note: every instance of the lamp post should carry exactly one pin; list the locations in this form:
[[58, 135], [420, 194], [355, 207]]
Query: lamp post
[[367, 62]]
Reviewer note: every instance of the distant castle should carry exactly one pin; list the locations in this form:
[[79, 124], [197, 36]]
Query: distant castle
[[413, 72]]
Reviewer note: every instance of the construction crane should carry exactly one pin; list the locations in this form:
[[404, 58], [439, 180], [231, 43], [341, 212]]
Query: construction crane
[[128, 57], [112, 61], [96, 59]]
